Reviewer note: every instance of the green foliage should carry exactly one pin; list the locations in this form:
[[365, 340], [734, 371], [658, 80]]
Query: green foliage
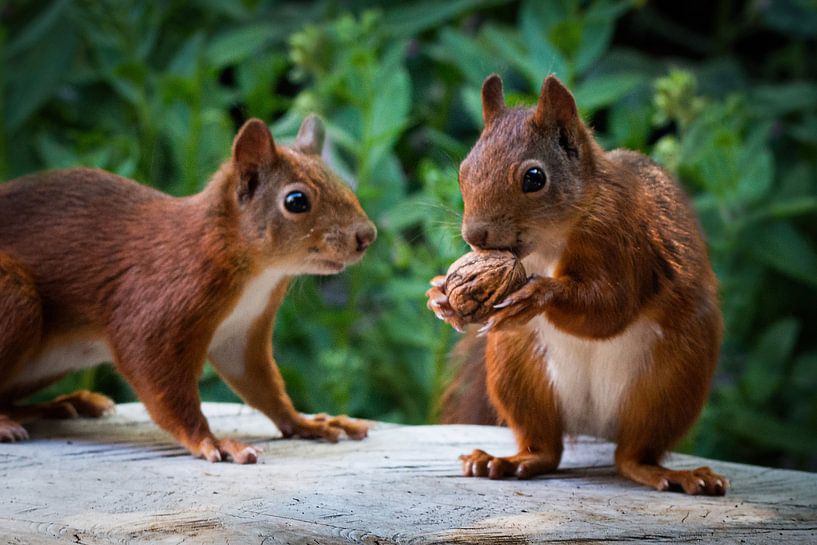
[[155, 91]]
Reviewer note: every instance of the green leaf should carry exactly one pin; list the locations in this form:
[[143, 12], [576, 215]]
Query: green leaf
[[630, 124], [411, 211], [54, 154], [408, 19], [536, 19], [186, 60], [29, 89], [234, 45], [789, 208], [756, 167], [472, 100], [790, 17], [765, 366], [463, 52], [602, 91], [804, 372], [783, 248], [761, 428], [512, 52], [777, 100], [35, 33], [597, 32]]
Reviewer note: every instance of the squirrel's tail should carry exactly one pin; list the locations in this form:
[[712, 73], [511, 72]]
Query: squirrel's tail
[[465, 400]]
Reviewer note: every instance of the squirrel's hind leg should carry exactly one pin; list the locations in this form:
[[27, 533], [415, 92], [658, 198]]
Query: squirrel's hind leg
[[21, 324], [661, 407]]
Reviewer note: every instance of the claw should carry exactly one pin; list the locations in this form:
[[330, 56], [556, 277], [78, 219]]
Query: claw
[[506, 303], [481, 332], [437, 282]]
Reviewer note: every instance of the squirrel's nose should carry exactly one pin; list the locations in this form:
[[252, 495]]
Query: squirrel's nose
[[490, 235], [475, 234], [365, 234]]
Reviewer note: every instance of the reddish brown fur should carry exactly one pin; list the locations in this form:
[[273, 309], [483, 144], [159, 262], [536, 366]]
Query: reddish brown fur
[[87, 253], [625, 246]]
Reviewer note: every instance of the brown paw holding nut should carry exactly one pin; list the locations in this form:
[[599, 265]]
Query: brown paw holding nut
[[474, 284]]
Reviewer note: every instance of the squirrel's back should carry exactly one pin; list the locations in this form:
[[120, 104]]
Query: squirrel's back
[[66, 198], [82, 232]]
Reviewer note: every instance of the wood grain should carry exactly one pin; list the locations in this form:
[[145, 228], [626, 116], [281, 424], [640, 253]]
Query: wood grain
[[121, 480]]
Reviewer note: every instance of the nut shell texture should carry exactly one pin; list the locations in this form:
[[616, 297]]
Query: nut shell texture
[[479, 280]]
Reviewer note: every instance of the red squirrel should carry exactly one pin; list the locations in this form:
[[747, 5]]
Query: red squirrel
[[617, 331], [95, 267]]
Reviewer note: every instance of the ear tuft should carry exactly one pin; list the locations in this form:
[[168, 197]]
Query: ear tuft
[[556, 105], [493, 102], [311, 135]]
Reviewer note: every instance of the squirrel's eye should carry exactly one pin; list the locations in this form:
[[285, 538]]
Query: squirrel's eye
[[297, 202], [534, 180]]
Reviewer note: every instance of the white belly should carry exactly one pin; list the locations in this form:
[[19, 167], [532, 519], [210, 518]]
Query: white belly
[[229, 342], [57, 358], [591, 377]]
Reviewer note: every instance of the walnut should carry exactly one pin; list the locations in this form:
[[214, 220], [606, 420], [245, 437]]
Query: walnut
[[479, 280]]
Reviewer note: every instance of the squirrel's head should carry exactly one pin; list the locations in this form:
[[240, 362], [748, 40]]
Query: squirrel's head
[[528, 172], [292, 206]]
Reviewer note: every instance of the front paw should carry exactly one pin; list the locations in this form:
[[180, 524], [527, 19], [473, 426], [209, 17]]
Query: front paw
[[524, 465], [438, 304], [226, 450], [519, 307], [329, 428]]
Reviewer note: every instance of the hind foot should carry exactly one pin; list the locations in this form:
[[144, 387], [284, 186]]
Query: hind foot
[[700, 481], [11, 431], [86, 404], [74, 405]]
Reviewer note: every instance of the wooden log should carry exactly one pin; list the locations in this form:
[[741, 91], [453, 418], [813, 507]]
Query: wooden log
[[121, 480]]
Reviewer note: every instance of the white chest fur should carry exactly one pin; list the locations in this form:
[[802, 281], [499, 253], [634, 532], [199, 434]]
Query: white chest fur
[[591, 377], [229, 342]]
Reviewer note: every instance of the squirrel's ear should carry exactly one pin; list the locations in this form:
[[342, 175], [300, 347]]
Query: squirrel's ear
[[310, 135], [253, 148], [556, 105], [492, 100]]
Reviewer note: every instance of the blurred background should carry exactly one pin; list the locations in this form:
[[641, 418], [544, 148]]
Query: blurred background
[[723, 93]]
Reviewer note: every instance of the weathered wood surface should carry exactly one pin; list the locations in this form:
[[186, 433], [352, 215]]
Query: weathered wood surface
[[121, 480]]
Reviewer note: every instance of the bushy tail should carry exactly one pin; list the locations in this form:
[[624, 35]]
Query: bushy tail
[[465, 400]]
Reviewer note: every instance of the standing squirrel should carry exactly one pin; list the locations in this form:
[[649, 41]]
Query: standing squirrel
[[617, 331], [95, 267]]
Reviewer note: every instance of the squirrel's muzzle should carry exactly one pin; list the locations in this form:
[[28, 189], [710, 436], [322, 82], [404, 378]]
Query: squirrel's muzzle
[[365, 235], [493, 235]]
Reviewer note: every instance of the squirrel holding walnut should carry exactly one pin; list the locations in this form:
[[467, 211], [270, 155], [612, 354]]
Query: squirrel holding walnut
[[95, 267], [616, 331]]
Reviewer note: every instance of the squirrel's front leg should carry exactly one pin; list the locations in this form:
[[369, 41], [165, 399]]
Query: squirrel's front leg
[[524, 399], [167, 384], [522, 305], [259, 383], [247, 365], [594, 306]]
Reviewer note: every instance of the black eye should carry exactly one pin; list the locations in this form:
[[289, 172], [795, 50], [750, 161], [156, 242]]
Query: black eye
[[297, 202], [534, 180]]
